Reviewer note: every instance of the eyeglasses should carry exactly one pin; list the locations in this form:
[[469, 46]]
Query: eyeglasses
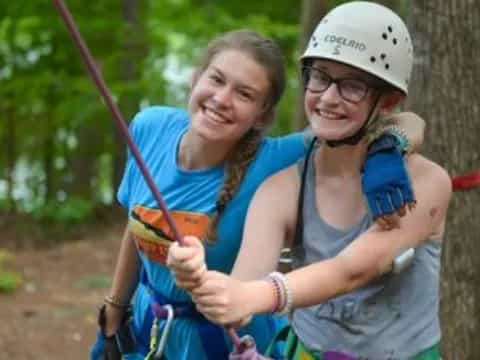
[[351, 90]]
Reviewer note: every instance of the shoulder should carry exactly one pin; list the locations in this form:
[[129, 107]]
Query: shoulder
[[276, 200], [287, 178], [433, 190], [155, 118], [429, 175], [280, 190], [293, 142], [276, 153]]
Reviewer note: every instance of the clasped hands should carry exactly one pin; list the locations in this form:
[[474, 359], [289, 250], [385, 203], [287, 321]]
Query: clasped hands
[[219, 297]]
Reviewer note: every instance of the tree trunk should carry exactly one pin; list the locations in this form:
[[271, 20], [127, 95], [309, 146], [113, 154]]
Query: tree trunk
[[445, 91], [134, 50], [312, 12]]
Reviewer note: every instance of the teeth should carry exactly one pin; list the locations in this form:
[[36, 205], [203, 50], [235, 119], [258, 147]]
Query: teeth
[[329, 115], [214, 116]]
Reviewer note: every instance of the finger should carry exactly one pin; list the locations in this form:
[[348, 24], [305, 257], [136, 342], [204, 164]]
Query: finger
[[402, 211], [187, 285], [182, 278], [188, 275], [191, 266], [194, 267], [177, 254], [393, 221], [412, 205], [382, 223], [192, 241], [213, 313], [206, 290]]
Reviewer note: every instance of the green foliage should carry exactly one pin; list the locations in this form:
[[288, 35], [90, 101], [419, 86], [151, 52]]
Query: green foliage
[[9, 280], [72, 210], [66, 156]]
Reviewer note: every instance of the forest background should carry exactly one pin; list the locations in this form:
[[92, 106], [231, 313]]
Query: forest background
[[61, 158]]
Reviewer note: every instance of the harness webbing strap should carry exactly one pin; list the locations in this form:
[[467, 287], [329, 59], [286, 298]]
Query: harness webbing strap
[[297, 243]]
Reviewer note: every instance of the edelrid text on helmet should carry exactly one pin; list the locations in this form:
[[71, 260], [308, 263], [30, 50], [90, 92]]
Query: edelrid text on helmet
[[367, 36]]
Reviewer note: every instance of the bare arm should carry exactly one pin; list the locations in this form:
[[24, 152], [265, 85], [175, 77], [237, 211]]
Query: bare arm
[[367, 257], [270, 220], [272, 213], [125, 280], [372, 253]]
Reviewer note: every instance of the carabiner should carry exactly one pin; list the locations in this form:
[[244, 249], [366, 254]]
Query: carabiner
[[166, 330]]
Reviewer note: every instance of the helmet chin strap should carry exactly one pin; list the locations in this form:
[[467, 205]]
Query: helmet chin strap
[[355, 138]]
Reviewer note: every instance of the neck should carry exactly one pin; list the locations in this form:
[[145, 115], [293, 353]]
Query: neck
[[344, 161], [197, 153]]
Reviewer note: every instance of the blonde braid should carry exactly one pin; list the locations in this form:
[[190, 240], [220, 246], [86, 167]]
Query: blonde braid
[[236, 167], [377, 128]]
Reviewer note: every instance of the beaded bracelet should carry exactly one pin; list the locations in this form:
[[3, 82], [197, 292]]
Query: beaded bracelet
[[285, 298], [277, 292], [113, 301]]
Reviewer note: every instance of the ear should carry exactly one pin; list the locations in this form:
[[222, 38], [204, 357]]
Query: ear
[[390, 101]]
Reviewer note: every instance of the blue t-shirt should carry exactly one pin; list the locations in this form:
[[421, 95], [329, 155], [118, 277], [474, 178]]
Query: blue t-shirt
[[190, 196]]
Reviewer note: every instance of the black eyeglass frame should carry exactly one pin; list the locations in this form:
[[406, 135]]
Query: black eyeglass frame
[[306, 75]]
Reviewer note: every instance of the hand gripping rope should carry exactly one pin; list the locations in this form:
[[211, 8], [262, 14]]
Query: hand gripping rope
[[120, 123]]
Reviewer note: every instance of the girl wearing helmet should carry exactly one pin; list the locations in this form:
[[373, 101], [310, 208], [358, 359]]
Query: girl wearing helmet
[[346, 296]]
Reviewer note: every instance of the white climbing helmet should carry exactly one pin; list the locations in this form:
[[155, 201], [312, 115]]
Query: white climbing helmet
[[367, 36]]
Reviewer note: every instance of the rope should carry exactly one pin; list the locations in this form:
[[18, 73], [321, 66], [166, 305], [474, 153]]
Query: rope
[[120, 123]]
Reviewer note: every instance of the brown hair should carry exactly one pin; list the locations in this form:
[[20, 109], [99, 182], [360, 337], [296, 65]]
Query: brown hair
[[268, 55]]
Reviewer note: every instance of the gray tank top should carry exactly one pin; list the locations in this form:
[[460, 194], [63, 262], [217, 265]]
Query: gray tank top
[[394, 317]]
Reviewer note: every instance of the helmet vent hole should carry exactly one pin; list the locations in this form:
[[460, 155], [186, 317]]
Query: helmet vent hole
[[385, 36], [383, 56], [373, 59], [394, 41], [390, 29], [387, 66]]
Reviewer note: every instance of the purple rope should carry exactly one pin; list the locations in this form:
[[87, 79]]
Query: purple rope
[[120, 122]]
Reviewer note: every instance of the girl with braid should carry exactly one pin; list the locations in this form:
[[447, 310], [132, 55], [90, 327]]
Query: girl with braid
[[207, 162]]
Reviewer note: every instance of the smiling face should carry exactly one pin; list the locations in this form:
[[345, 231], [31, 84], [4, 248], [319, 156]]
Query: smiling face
[[228, 97], [330, 115]]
